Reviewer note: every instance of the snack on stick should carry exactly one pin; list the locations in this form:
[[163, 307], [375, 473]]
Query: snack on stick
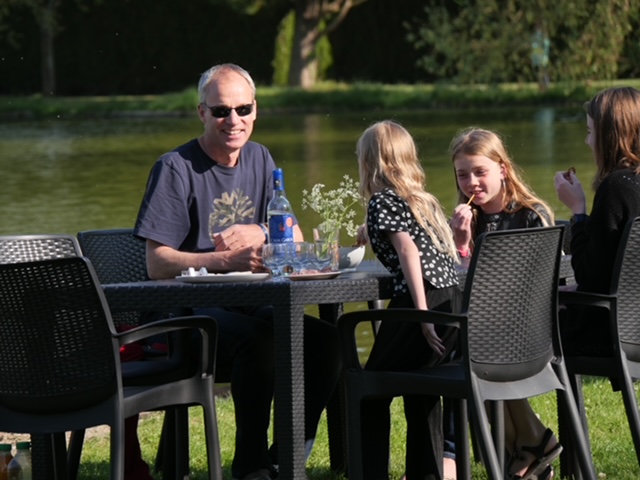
[[471, 199], [568, 173]]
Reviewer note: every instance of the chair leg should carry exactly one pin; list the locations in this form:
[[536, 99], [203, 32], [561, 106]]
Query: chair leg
[[212, 440], [475, 440], [580, 443], [492, 465], [59, 448], [569, 466], [49, 454], [172, 458], [497, 429], [631, 407], [336, 421], [181, 443], [157, 465], [117, 449], [463, 453], [75, 452], [354, 440]]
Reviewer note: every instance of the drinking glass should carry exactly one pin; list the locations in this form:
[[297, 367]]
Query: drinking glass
[[327, 255], [276, 257], [303, 257]]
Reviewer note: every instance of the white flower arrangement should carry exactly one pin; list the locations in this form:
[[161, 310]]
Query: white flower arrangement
[[335, 207]]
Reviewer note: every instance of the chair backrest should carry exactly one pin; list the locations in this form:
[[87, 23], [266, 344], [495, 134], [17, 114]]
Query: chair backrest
[[566, 241], [58, 351], [116, 255], [511, 302], [625, 284], [29, 248]]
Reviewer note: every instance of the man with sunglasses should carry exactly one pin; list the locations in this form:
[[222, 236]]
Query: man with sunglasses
[[206, 206]]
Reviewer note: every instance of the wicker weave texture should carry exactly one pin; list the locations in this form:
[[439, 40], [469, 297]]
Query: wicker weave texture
[[56, 340], [511, 296], [117, 256], [629, 288], [30, 248], [27, 248]]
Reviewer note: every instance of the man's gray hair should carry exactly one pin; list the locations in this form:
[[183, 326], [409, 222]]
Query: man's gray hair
[[213, 72]]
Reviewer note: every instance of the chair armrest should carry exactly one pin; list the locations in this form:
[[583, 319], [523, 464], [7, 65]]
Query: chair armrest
[[348, 322], [205, 324], [585, 298]]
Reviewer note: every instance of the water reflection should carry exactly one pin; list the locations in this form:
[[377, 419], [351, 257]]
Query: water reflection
[[64, 176]]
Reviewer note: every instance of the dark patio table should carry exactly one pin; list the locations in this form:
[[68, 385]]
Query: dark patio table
[[368, 283]]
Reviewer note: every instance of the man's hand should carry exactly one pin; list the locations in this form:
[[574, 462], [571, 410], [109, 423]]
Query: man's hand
[[242, 259], [238, 236]]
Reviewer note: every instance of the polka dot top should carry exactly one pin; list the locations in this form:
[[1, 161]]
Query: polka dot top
[[388, 212]]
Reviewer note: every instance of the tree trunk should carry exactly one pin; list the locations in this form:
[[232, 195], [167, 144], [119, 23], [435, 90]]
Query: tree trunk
[[304, 64], [47, 53], [310, 14]]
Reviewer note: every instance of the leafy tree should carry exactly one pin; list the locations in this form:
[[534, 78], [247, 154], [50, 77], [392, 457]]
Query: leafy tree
[[314, 20], [485, 41]]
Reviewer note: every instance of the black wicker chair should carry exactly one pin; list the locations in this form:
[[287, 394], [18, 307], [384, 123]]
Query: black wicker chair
[[49, 451], [623, 305], [30, 248], [61, 368], [119, 257], [508, 340]]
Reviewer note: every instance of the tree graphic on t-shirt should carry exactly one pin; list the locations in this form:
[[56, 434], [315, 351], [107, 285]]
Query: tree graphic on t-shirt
[[231, 208]]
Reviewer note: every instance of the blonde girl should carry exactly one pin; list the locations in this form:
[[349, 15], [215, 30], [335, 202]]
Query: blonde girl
[[501, 200], [410, 235], [492, 196]]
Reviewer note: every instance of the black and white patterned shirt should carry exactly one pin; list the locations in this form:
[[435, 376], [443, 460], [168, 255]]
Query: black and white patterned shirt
[[388, 212]]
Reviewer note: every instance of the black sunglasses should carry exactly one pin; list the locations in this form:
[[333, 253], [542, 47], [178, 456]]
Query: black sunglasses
[[222, 111]]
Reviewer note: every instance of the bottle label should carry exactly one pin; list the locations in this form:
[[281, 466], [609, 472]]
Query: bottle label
[[281, 228]]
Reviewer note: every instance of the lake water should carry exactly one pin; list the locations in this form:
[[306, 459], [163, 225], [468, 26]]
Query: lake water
[[62, 176]]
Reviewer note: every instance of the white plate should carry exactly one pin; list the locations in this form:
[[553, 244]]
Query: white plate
[[224, 277], [313, 276]]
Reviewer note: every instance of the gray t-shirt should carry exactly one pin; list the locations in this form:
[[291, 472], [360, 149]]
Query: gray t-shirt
[[186, 188]]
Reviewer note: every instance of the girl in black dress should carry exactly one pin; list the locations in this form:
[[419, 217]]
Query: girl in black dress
[[410, 234], [613, 135]]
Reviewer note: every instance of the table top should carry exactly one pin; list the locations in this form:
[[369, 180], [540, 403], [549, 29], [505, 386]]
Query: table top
[[363, 284], [370, 281]]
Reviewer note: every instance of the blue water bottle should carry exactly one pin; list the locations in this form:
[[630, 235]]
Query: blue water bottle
[[279, 212]]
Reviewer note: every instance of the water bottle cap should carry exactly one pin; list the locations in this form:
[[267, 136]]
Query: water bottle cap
[[23, 445], [5, 447]]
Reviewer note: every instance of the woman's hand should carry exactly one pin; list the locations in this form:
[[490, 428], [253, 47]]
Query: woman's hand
[[434, 341], [461, 226], [570, 191], [362, 237]]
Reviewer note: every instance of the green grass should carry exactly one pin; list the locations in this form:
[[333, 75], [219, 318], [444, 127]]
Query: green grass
[[324, 96], [613, 451]]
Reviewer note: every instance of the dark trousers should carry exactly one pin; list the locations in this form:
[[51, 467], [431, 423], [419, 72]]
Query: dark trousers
[[402, 347], [246, 359]]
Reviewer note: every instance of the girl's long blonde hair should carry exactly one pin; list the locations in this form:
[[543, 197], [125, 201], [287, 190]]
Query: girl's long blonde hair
[[388, 158], [517, 194]]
